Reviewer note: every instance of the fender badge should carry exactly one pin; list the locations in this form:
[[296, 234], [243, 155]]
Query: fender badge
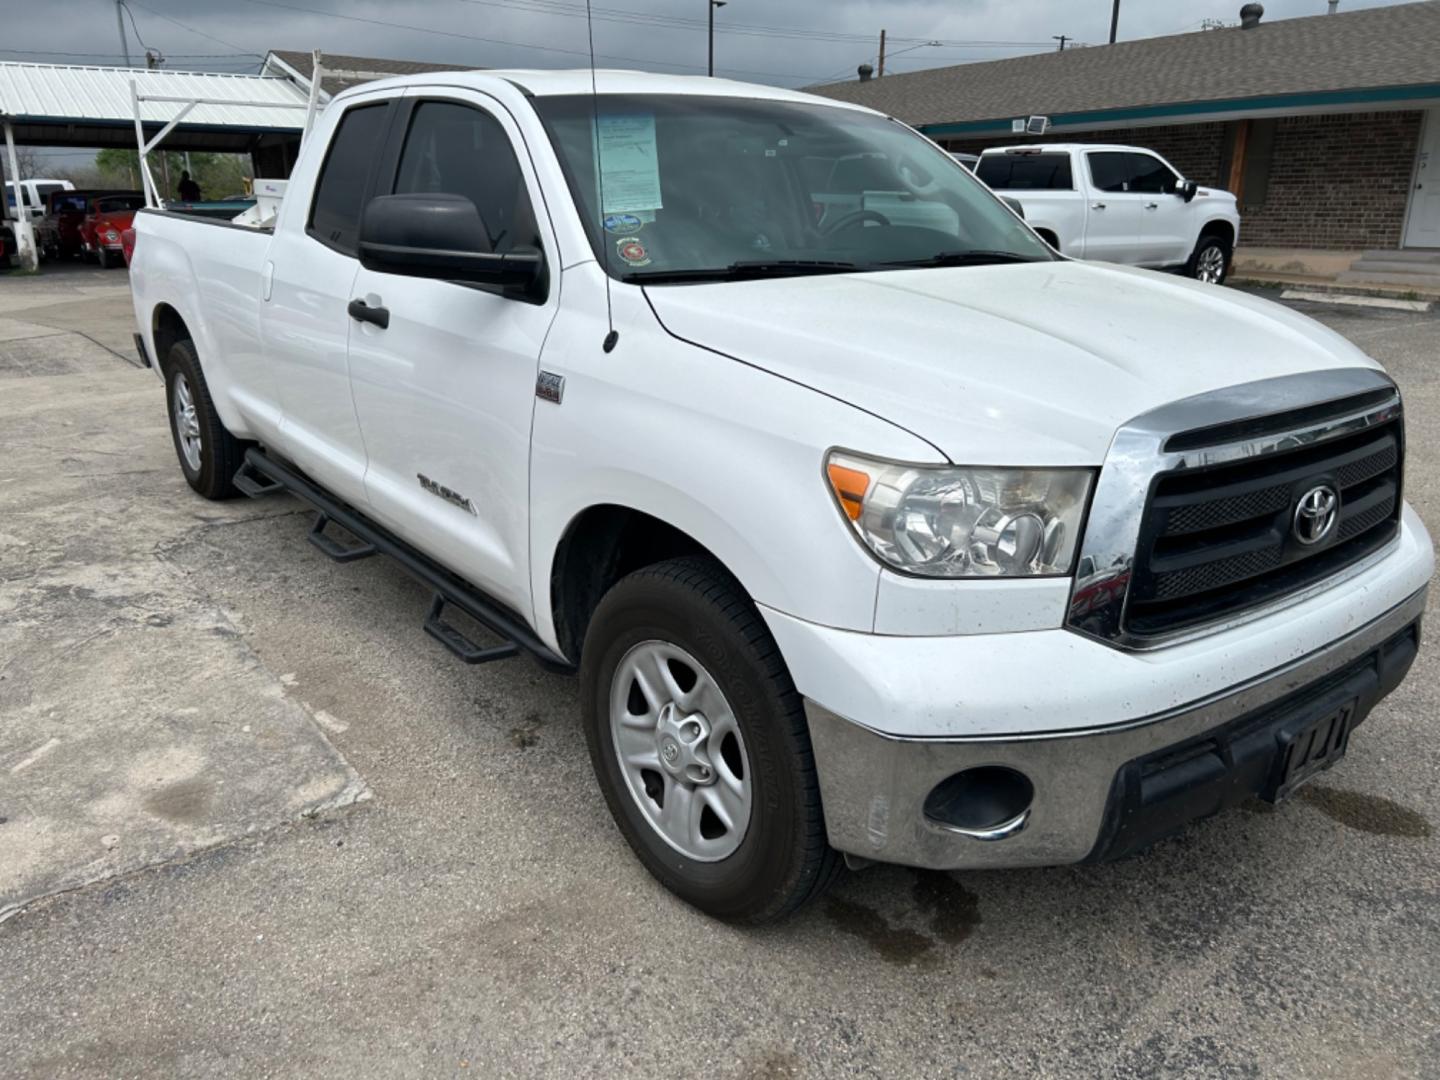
[[440, 491], [550, 387]]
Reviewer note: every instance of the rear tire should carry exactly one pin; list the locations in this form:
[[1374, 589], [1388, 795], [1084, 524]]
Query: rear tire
[[209, 455], [750, 749], [1210, 261]]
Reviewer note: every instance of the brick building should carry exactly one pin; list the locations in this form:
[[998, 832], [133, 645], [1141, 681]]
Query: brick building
[[1322, 126]]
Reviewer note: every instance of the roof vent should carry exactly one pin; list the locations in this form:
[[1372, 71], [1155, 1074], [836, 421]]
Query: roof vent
[[865, 71], [1250, 16]]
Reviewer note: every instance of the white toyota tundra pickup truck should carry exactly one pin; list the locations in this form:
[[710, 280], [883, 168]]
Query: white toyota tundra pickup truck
[[872, 539], [1119, 204]]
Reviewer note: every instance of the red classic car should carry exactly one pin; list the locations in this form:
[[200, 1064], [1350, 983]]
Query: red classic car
[[58, 232], [109, 216]]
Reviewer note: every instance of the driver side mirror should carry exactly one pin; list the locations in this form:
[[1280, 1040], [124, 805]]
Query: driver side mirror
[[1186, 189], [442, 236]]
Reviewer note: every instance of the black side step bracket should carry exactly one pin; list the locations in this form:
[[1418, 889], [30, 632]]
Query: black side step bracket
[[458, 643], [265, 474], [330, 546], [254, 484]]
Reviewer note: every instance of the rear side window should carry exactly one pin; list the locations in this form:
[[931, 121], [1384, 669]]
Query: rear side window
[[1150, 175], [454, 149], [345, 177], [1026, 172], [1109, 170]]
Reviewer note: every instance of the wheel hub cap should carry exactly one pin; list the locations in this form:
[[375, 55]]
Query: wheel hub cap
[[681, 751]]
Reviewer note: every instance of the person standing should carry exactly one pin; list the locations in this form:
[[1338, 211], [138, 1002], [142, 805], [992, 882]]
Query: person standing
[[189, 189]]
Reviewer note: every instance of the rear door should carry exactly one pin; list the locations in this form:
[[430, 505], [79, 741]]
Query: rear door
[[1113, 225], [1165, 217], [446, 392], [307, 285]]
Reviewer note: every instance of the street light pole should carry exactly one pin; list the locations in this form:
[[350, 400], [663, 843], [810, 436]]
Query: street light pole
[[713, 4], [1114, 20]]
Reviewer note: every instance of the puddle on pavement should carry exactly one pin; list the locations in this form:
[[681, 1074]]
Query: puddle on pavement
[[953, 912]]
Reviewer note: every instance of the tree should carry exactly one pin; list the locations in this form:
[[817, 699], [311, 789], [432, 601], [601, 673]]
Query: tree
[[219, 175]]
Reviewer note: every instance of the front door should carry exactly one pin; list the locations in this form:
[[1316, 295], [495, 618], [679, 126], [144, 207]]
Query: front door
[[305, 327], [445, 393], [1423, 228], [1165, 219], [1113, 214]]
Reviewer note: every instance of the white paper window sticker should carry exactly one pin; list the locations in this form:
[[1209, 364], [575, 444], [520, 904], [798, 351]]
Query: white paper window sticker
[[629, 164]]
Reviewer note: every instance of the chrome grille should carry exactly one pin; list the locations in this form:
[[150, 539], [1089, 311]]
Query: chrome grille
[[1192, 526]]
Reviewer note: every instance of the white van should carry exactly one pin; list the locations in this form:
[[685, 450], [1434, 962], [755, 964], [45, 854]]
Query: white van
[[33, 193]]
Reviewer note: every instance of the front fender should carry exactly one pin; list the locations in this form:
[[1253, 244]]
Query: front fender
[[728, 454]]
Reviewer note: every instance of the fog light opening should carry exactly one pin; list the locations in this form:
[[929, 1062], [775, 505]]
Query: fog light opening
[[991, 802]]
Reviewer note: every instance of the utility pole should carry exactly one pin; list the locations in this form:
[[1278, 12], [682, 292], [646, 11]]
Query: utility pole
[[1114, 20], [120, 22], [882, 55], [1061, 38], [712, 5]]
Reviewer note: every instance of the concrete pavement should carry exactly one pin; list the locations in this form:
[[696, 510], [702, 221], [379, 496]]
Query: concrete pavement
[[480, 915]]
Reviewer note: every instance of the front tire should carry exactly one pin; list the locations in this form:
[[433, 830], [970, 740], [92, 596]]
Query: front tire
[[700, 745], [209, 455], [1210, 261]]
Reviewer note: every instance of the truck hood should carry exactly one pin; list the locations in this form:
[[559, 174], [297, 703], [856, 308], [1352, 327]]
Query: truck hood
[[1030, 364]]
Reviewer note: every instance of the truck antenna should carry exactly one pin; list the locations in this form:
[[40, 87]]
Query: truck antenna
[[613, 336]]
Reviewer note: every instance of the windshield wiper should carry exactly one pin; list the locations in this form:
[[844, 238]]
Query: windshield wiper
[[967, 258], [748, 270]]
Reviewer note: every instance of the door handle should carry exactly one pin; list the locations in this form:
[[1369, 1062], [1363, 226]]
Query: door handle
[[363, 312], [1097, 206], [1151, 205]]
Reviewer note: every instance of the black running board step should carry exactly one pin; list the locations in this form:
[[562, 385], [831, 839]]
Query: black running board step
[[336, 550], [488, 613], [256, 485], [463, 648]]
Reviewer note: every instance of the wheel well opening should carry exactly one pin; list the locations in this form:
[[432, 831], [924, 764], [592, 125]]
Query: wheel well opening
[[1221, 229], [600, 547], [168, 328]]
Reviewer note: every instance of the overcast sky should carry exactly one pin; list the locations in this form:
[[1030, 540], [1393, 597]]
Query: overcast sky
[[785, 42]]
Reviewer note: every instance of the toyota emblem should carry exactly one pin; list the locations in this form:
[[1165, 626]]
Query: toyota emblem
[[1315, 514]]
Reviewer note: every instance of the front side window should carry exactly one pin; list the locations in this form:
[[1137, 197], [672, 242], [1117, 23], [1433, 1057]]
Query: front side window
[[705, 188], [1109, 170], [345, 177], [1026, 172], [1151, 176], [456, 149]]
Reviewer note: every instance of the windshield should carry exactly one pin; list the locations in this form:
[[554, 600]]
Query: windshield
[[118, 203], [709, 188]]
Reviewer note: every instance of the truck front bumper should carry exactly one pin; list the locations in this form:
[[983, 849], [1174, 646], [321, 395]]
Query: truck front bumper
[[1045, 748], [1091, 795]]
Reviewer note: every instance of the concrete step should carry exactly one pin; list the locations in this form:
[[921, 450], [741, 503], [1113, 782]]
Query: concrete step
[[1329, 285], [1388, 265], [1406, 255], [1419, 282]]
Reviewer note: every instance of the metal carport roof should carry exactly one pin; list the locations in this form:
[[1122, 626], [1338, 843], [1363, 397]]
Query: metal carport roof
[[63, 105]]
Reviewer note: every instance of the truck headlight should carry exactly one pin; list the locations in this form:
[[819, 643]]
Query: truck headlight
[[960, 522]]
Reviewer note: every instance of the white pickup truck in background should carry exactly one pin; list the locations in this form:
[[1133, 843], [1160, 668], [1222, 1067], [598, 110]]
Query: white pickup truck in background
[[872, 526], [1120, 204]]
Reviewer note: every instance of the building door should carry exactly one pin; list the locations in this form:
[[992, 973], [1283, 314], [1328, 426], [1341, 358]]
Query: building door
[[1423, 228]]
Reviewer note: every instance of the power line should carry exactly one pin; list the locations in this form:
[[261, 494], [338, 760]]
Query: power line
[[506, 42], [624, 15], [183, 26]]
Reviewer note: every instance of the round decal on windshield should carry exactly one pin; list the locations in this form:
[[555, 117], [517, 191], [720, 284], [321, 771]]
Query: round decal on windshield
[[632, 251]]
